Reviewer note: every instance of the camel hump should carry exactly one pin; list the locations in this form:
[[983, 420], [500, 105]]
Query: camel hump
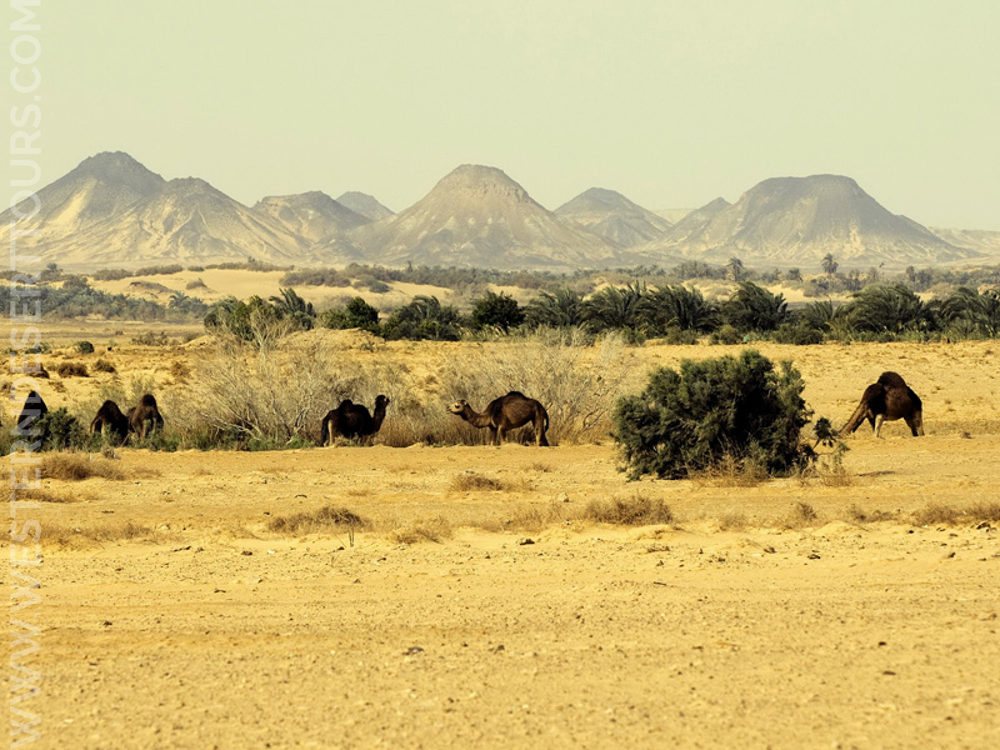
[[345, 403], [147, 400], [516, 393], [892, 379]]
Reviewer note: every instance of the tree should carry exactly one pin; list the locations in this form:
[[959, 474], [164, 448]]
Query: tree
[[829, 264], [497, 311], [614, 308], [424, 318], [735, 269], [753, 308], [677, 307], [558, 309], [887, 308], [737, 408]]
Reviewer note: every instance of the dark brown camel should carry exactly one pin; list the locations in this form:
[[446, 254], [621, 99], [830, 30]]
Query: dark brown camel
[[34, 409], [110, 417], [350, 420], [144, 418], [506, 413], [887, 399]]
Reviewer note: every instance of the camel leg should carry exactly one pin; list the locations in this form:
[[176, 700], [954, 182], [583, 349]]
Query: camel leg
[[540, 439], [501, 434], [878, 424], [915, 427]]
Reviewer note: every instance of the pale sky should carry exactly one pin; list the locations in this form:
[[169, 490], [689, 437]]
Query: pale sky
[[671, 103]]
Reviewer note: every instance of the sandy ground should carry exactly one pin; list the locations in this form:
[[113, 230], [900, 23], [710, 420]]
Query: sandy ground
[[173, 616]]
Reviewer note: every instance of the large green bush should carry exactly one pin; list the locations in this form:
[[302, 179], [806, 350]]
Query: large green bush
[[712, 411]]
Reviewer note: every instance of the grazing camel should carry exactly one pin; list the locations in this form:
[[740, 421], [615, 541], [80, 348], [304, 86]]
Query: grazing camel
[[33, 410], [110, 417], [506, 413], [144, 418], [350, 420], [887, 399]]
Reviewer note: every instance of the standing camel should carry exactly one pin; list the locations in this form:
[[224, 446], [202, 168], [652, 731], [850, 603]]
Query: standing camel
[[506, 413], [887, 399], [144, 418], [110, 417], [350, 420]]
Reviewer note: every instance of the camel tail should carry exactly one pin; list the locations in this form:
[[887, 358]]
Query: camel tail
[[324, 432]]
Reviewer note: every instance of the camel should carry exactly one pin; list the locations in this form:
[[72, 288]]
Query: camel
[[34, 409], [109, 416], [506, 413], [887, 399], [144, 418], [350, 420]]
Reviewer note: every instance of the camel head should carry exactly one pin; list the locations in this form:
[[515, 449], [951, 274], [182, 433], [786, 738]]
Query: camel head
[[381, 402], [458, 407]]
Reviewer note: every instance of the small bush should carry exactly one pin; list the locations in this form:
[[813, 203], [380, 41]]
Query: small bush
[[318, 520], [73, 467], [149, 338], [710, 412], [633, 511], [934, 514], [726, 334], [430, 530], [84, 347], [71, 370], [103, 365], [471, 481], [859, 515]]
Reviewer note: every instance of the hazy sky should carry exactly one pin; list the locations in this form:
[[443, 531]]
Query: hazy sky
[[672, 103]]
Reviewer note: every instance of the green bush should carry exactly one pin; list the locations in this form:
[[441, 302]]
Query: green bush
[[735, 409], [497, 311], [355, 314], [60, 430], [84, 347]]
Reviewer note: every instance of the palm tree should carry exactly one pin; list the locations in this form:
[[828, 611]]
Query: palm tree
[[753, 308], [829, 264], [614, 307], [557, 309], [677, 307], [735, 269]]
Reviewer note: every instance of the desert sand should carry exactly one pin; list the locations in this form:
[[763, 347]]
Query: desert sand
[[851, 611]]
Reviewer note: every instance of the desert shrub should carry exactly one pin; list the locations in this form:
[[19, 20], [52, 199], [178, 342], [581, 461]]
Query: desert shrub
[[691, 420], [615, 308], [726, 334], [428, 530], [318, 520], [753, 308], [71, 370], [558, 309], [103, 365], [887, 309], [577, 385], [677, 308], [74, 467], [151, 338], [935, 513], [59, 430], [632, 511], [84, 347], [499, 311], [470, 481], [355, 314], [798, 333], [258, 322]]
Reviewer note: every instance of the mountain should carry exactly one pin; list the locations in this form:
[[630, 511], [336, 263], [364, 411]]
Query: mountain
[[793, 221], [364, 204], [112, 211], [983, 241], [313, 215], [614, 217], [478, 216]]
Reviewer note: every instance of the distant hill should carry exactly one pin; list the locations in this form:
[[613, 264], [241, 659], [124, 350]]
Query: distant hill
[[313, 215], [112, 211], [478, 216], [788, 221], [364, 204], [611, 215]]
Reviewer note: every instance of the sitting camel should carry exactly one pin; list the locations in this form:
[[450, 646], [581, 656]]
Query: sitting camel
[[888, 398], [110, 417], [506, 413], [144, 418], [350, 420]]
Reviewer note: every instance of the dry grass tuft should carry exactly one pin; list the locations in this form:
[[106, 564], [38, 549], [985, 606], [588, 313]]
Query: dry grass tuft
[[733, 521], [47, 496], [858, 515], [103, 365], [802, 514], [82, 536], [732, 472], [74, 467], [933, 514], [429, 530], [71, 370], [531, 518], [471, 481], [318, 520], [633, 511]]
